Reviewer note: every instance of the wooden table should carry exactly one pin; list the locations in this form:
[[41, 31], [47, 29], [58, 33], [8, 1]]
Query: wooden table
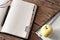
[[45, 11]]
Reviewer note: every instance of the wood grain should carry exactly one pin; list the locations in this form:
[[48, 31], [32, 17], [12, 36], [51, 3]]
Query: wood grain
[[46, 9], [7, 37]]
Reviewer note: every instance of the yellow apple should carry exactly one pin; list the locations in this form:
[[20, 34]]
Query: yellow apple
[[46, 30]]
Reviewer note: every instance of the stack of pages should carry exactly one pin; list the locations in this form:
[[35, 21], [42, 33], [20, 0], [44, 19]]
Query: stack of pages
[[19, 19]]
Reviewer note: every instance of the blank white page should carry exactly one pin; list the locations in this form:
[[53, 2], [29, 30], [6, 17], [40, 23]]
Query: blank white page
[[3, 9]]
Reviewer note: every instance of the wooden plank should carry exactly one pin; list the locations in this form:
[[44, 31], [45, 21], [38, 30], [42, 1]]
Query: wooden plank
[[7, 37], [34, 36], [56, 2]]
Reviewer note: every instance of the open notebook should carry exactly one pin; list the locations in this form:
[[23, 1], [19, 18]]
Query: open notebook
[[19, 19]]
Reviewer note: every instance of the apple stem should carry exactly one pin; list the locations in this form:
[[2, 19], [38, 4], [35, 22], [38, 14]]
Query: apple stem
[[46, 27]]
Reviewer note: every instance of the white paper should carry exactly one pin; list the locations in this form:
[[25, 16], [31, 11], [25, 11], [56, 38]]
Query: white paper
[[19, 18], [2, 11]]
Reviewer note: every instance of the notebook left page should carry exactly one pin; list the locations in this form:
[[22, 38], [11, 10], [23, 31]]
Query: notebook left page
[[3, 8]]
